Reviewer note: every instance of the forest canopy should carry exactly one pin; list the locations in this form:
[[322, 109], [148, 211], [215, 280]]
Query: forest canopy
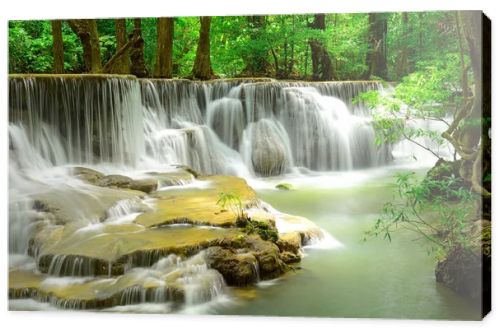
[[359, 46]]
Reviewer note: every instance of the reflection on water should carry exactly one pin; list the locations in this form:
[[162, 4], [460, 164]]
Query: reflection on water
[[361, 279]]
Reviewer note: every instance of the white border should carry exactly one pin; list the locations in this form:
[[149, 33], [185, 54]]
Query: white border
[[79, 322]]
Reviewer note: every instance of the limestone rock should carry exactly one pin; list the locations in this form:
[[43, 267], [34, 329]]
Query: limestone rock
[[237, 269], [461, 272], [289, 258], [117, 181], [270, 148], [289, 242], [144, 185], [87, 174]]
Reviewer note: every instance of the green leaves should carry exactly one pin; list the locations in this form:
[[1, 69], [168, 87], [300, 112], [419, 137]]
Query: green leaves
[[232, 202], [438, 208]]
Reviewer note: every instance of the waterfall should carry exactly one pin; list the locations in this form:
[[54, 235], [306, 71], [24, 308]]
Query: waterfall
[[242, 127], [88, 119], [268, 127]]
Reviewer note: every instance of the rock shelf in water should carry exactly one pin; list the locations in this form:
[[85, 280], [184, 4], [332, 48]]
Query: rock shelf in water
[[162, 241]]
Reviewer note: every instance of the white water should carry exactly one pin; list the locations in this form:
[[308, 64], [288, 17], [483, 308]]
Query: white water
[[224, 127]]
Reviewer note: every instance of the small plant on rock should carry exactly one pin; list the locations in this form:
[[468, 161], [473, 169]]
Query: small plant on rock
[[233, 202]]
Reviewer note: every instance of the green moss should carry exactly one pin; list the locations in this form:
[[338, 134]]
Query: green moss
[[284, 186], [264, 229]]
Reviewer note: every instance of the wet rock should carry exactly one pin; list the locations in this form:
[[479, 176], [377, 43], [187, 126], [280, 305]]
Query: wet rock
[[461, 271], [117, 181], [112, 249], [87, 174], [270, 149], [96, 293], [188, 170], [237, 269], [289, 258], [268, 257], [121, 181], [284, 186], [290, 242], [144, 185], [173, 178], [199, 206], [445, 172]]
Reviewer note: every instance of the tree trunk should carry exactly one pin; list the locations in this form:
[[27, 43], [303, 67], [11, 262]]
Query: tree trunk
[[137, 64], [86, 30], [202, 68], [402, 61], [256, 61], [321, 63], [376, 59], [57, 47], [165, 44], [123, 63], [113, 65]]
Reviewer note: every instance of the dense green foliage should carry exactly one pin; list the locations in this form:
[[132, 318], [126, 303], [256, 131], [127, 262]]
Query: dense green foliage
[[274, 45]]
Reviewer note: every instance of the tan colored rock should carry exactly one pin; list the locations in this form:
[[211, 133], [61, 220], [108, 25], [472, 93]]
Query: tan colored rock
[[290, 242], [198, 205], [237, 269], [110, 249]]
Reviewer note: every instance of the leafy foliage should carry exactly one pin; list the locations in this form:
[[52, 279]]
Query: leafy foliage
[[437, 209], [272, 45]]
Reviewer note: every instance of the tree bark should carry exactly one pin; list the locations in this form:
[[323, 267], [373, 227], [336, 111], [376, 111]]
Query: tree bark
[[376, 59], [321, 63], [123, 63], [402, 61], [137, 64], [165, 45], [115, 63], [472, 141], [57, 48], [256, 61], [202, 68], [86, 30]]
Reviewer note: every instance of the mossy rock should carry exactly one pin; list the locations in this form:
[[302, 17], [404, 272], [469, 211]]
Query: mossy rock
[[285, 186], [198, 206], [238, 269]]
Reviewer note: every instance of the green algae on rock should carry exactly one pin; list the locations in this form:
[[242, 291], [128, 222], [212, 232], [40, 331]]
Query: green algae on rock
[[198, 205]]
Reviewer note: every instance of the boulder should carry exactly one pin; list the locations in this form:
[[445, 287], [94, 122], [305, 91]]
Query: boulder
[[144, 185], [290, 242], [117, 181], [284, 186], [289, 258], [271, 154], [87, 174], [121, 181], [461, 271], [237, 269], [443, 171], [268, 257]]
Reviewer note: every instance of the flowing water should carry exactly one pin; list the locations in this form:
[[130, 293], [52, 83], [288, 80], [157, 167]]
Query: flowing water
[[354, 278], [308, 134]]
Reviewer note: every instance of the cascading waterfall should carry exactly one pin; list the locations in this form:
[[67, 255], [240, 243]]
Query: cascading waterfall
[[270, 127], [75, 120], [249, 128]]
